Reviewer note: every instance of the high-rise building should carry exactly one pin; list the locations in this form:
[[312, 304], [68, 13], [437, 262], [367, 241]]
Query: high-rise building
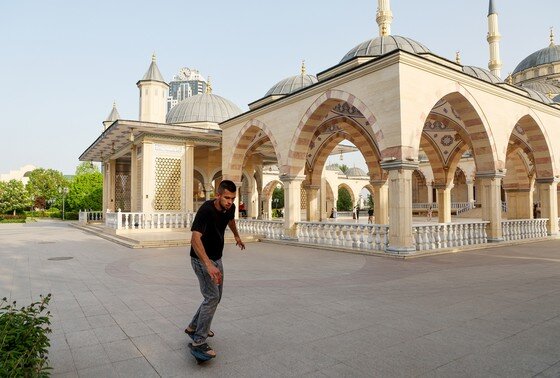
[[188, 82]]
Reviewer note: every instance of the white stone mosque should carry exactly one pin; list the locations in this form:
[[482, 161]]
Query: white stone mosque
[[434, 133]]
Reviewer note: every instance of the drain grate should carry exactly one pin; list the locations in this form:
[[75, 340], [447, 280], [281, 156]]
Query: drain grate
[[60, 258]]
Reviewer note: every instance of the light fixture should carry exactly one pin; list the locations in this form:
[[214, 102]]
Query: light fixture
[[131, 136]]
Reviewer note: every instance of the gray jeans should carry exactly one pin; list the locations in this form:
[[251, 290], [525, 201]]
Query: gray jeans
[[212, 294]]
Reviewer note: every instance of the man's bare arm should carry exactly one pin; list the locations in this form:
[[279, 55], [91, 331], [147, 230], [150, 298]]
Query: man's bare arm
[[213, 271], [233, 228]]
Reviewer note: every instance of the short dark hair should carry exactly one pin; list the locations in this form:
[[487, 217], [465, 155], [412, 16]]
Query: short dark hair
[[227, 184]]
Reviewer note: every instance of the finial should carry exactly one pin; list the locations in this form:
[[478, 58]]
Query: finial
[[114, 104], [551, 36], [458, 57], [208, 85], [303, 67], [509, 79], [154, 57]]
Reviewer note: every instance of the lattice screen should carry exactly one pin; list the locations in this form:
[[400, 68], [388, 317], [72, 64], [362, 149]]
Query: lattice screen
[[122, 191], [303, 200], [168, 184], [139, 184]]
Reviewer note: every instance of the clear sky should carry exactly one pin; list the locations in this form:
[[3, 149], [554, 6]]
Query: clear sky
[[64, 62]]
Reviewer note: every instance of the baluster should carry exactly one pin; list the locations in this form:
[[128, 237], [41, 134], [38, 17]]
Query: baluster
[[377, 236], [348, 236], [461, 234], [437, 238], [419, 239], [468, 233]]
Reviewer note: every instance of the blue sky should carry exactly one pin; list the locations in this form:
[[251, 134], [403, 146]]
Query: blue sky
[[65, 62]]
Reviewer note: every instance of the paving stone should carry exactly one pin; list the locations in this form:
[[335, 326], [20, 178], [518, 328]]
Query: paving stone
[[121, 350], [90, 356], [137, 367]]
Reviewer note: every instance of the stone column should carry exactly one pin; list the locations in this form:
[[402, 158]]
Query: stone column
[[148, 177], [430, 192], [470, 191], [400, 205], [381, 201], [237, 198], [312, 192], [549, 204], [133, 179], [444, 202], [207, 190], [189, 176], [112, 168], [490, 188], [292, 203]]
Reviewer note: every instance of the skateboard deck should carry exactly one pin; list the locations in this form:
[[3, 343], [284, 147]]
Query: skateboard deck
[[200, 358]]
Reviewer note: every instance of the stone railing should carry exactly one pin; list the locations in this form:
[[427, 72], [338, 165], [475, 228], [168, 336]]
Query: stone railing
[[461, 207], [425, 205], [517, 229], [447, 235], [504, 207], [90, 216], [366, 237], [146, 221], [269, 229]]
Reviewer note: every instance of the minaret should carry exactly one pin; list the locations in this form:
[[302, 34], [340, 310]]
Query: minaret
[[493, 38], [112, 117], [384, 17], [153, 95], [551, 36]]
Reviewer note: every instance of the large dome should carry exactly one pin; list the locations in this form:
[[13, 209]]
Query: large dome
[[205, 107], [291, 84], [382, 45], [547, 55], [541, 86]]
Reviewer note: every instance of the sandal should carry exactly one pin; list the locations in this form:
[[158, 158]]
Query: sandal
[[191, 333], [201, 351]]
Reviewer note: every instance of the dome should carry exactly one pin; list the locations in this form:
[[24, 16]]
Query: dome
[[556, 99], [541, 86], [547, 55], [482, 74], [334, 167], [382, 45], [205, 107], [355, 172], [535, 95], [291, 84]]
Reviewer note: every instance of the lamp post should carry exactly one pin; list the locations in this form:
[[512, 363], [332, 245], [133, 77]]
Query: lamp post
[[64, 192]]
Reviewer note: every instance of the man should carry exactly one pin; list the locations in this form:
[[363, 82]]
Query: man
[[207, 244]]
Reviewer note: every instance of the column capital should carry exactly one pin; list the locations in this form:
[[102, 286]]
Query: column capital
[[391, 165], [287, 178], [312, 187], [547, 180], [517, 190], [491, 174], [377, 183]]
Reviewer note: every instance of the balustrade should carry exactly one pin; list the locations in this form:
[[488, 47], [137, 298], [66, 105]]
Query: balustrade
[[517, 229], [347, 235], [447, 235]]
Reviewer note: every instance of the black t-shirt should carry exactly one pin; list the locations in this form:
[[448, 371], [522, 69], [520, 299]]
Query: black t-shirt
[[212, 223]]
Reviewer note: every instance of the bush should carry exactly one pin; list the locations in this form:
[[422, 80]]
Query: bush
[[23, 339], [7, 218]]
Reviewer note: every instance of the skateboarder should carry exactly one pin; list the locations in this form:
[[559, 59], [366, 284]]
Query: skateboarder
[[207, 244]]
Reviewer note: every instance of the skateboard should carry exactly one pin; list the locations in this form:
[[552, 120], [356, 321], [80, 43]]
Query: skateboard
[[200, 358]]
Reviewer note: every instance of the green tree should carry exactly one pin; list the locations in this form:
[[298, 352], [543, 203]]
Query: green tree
[[43, 186], [370, 201], [85, 191], [86, 167], [344, 202], [13, 197], [278, 194]]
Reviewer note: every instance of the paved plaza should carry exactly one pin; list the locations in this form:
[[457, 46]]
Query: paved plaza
[[290, 311]]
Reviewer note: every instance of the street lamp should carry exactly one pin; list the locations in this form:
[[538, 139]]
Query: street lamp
[[63, 191]]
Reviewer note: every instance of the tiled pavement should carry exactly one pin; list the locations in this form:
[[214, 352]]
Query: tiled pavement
[[290, 311]]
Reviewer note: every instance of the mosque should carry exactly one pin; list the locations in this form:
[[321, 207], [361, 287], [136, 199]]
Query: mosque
[[433, 132]]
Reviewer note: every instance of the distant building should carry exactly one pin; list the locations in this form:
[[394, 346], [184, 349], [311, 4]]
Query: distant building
[[20, 174], [187, 83]]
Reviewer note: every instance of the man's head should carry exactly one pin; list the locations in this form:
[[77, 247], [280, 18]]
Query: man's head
[[226, 194]]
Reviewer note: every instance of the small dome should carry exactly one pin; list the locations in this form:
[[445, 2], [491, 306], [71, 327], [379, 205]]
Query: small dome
[[205, 107], [291, 84], [541, 86], [382, 45], [334, 167], [547, 55], [535, 95], [556, 99], [482, 74], [355, 172]]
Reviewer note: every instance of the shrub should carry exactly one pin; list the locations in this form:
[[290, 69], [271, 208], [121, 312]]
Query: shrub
[[23, 339], [7, 218]]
